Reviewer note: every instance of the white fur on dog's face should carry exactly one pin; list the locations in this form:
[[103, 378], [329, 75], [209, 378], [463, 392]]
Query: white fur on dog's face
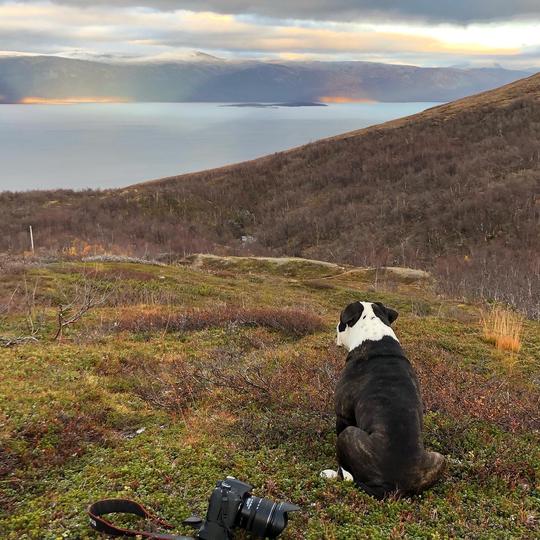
[[368, 327]]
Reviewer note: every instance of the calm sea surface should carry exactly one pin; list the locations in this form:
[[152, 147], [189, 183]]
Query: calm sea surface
[[113, 145]]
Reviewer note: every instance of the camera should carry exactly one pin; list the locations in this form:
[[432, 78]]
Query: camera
[[233, 506]]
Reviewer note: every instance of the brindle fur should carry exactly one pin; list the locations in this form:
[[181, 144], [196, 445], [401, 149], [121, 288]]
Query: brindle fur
[[379, 422]]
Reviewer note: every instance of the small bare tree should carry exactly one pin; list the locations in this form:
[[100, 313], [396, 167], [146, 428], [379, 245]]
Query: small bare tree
[[29, 302], [4, 310], [85, 297]]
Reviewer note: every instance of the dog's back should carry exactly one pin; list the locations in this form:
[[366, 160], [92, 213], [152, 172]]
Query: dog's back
[[378, 393], [379, 408]]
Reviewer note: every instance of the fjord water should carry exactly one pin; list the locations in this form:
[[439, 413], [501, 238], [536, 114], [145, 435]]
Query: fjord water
[[114, 145]]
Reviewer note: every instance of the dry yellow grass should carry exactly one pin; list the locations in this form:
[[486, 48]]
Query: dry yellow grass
[[503, 327]]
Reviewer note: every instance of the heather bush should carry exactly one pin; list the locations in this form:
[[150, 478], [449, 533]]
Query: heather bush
[[294, 322], [464, 395]]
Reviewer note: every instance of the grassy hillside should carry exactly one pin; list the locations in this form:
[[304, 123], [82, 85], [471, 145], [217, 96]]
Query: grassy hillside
[[454, 189], [184, 374]]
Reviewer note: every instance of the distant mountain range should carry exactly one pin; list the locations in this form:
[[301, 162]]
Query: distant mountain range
[[207, 78]]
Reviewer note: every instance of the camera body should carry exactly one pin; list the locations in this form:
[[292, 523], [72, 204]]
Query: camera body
[[231, 505], [223, 508]]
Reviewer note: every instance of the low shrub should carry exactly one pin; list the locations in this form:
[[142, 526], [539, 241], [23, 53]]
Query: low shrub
[[462, 395], [172, 385], [277, 396], [53, 442], [294, 322]]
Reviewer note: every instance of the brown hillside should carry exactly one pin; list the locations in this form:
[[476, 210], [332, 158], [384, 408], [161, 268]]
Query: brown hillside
[[455, 188]]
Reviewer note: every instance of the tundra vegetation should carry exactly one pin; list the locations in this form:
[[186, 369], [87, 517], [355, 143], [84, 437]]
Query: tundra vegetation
[[176, 375]]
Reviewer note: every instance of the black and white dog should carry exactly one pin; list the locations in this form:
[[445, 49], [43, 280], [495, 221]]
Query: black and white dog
[[379, 409]]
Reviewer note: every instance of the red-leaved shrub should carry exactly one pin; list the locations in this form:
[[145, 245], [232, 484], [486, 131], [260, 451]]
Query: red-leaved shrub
[[294, 322], [460, 393]]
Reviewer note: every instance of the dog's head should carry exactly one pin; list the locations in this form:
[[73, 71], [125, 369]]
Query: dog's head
[[363, 321]]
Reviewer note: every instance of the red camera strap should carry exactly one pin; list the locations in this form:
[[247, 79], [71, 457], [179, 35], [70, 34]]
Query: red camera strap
[[97, 510]]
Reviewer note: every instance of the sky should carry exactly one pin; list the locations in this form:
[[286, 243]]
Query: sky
[[419, 32]]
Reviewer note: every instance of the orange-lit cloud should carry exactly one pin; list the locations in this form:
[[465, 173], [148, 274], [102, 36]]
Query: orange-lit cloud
[[344, 99], [291, 38], [32, 100]]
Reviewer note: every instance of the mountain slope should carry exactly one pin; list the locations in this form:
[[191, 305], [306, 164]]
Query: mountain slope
[[455, 185], [454, 178], [211, 79], [51, 77]]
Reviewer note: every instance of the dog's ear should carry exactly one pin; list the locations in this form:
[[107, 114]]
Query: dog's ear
[[389, 313], [350, 315]]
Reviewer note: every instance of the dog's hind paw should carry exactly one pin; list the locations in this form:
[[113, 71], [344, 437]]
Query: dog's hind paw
[[329, 474]]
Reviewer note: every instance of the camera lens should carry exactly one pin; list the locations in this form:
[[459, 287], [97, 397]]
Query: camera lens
[[264, 518]]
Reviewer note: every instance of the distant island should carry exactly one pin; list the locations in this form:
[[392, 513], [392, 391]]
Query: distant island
[[276, 105]]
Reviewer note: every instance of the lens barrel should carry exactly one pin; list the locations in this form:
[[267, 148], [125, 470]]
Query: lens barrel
[[263, 517]]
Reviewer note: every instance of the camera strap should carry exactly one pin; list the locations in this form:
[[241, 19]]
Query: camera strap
[[97, 510]]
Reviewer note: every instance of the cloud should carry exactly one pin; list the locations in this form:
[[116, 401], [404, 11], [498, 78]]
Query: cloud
[[455, 11], [115, 30], [51, 27], [42, 23]]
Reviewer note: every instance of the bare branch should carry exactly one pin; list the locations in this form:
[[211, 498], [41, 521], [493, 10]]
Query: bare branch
[[18, 340], [86, 297], [29, 302], [4, 308]]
